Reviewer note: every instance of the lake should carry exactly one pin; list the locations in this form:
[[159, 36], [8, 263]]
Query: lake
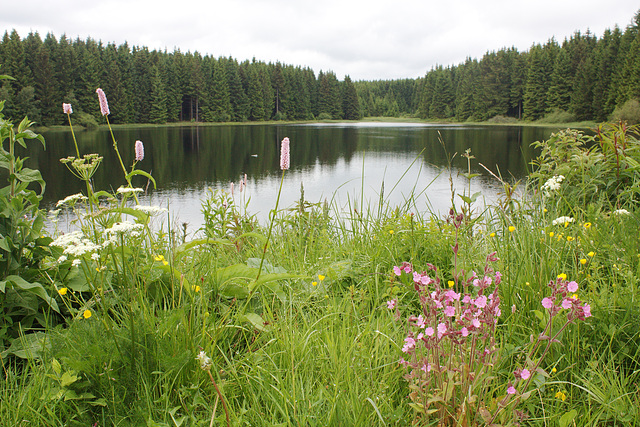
[[343, 163]]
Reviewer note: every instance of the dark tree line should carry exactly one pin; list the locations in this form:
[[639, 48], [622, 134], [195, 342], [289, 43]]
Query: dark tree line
[[145, 86], [585, 78]]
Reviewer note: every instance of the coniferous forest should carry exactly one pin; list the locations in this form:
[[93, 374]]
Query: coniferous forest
[[585, 77]]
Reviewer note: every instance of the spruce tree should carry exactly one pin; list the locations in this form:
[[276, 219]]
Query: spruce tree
[[350, 103]]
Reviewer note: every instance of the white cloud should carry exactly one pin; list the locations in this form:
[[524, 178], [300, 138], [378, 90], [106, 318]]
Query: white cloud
[[375, 39]]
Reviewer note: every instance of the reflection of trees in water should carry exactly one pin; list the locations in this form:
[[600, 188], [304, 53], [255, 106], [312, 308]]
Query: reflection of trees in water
[[194, 156]]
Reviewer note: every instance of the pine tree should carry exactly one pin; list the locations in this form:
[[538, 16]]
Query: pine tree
[[350, 103], [561, 85], [158, 112]]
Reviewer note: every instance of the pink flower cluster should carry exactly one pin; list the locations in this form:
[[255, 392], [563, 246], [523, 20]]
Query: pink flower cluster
[[139, 149], [104, 105], [284, 154], [447, 314], [66, 108], [560, 293]]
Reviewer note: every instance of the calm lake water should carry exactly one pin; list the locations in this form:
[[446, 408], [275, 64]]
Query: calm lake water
[[344, 163]]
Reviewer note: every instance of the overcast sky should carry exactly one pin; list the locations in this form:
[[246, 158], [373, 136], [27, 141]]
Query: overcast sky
[[367, 40]]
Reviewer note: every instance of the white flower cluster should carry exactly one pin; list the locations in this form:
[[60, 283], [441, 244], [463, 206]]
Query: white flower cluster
[[75, 244], [150, 210], [552, 184], [562, 220], [621, 212], [127, 190], [125, 228], [205, 361], [71, 200]]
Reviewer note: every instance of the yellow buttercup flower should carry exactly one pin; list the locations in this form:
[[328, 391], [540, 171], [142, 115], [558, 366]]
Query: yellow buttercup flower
[[583, 261], [554, 370], [314, 283], [511, 229], [570, 239], [196, 288], [551, 234], [450, 283], [492, 235], [587, 225], [562, 276], [86, 314], [321, 277], [62, 291], [390, 231], [560, 395], [591, 254]]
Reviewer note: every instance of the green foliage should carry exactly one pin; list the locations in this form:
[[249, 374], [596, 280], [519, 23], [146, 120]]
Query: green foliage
[[628, 112]]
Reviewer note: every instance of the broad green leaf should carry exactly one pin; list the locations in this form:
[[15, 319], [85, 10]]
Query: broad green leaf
[[35, 287], [254, 319], [143, 173], [567, 418], [182, 249], [67, 379], [28, 346]]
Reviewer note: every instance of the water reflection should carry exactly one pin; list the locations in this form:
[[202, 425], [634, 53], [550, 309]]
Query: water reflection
[[330, 160]]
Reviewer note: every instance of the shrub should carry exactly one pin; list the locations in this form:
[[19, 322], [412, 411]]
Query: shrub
[[628, 112], [558, 116]]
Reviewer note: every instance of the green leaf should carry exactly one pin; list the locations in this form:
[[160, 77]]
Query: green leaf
[[182, 249], [67, 379], [31, 175], [234, 291], [567, 418], [254, 319], [143, 173], [28, 346], [55, 365], [35, 287]]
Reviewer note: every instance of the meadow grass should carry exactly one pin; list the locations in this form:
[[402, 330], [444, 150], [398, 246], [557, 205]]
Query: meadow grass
[[311, 330]]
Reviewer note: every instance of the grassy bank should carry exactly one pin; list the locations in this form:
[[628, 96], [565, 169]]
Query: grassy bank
[[317, 319]]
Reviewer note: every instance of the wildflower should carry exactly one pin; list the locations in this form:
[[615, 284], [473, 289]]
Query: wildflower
[[104, 105], [66, 108], [591, 254], [62, 291], [450, 311], [551, 185], [150, 210], [86, 314], [450, 283], [570, 239], [314, 283], [554, 370], [75, 262], [429, 331], [139, 149], [562, 276], [321, 277], [621, 212], [547, 302], [572, 286], [586, 309], [442, 328], [62, 259], [420, 323], [205, 361], [551, 234], [481, 301], [511, 390], [195, 288], [587, 225], [71, 200], [511, 229], [583, 261], [391, 304], [284, 154], [397, 271], [562, 220], [464, 331], [160, 258], [492, 235], [525, 374], [560, 395], [390, 231], [567, 303], [128, 190], [409, 344]]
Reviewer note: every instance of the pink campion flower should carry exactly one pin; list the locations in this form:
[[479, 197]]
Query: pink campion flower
[[475, 322], [284, 154], [104, 105], [464, 331], [442, 329], [409, 344], [450, 311], [66, 108], [567, 303], [586, 308], [572, 286], [481, 301], [426, 367], [498, 277], [525, 374], [392, 304], [466, 299], [429, 331], [420, 323], [511, 390], [139, 149], [547, 302], [452, 295], [397, 271]]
